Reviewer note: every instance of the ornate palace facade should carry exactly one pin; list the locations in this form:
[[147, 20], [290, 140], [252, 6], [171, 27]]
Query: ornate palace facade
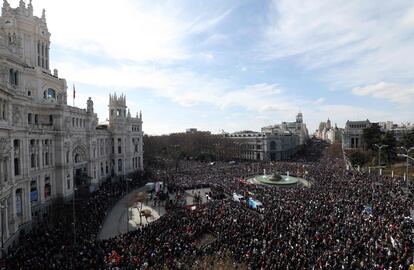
[[275, 142], [46, 146]]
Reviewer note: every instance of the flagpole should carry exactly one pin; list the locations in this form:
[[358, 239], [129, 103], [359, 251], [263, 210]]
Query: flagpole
[[73, 96]]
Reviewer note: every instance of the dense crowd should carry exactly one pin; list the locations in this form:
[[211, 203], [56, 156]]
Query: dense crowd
[[344, 220]]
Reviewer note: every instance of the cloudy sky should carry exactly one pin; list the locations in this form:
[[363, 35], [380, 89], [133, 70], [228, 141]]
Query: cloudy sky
[[233, 65]]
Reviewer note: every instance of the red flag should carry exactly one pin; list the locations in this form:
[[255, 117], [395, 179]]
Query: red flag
[[74, 91]]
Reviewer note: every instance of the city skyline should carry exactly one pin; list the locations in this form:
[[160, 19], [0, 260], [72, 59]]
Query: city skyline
[[235, 66]]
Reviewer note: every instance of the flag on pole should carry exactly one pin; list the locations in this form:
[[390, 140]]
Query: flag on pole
[[74, 91]]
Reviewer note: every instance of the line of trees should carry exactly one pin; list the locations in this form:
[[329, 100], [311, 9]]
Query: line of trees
[[198, 146], [375, 136]]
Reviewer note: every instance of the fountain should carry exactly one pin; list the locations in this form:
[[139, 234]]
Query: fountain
[[274, 179]]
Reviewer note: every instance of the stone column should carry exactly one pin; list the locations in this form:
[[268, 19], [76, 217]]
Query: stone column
[[24, 157], [2, 175], [6, 219], [28, 203], [13, 211], [41, 189], [40, 154], [12, 159]]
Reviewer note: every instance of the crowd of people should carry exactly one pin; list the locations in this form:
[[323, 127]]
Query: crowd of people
[[344, 220]]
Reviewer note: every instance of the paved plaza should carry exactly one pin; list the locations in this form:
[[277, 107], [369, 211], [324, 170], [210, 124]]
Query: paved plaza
[[116, 220]]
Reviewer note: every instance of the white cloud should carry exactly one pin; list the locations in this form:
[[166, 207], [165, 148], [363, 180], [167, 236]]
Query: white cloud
[[402, 94], [125, 29], [351, 42], [208, 23], [181, 86]]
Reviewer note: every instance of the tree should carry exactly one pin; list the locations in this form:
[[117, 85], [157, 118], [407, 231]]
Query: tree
[[358, 158], [177, 146], [389, 139], [334, 150], [371, 136], [408, 139]]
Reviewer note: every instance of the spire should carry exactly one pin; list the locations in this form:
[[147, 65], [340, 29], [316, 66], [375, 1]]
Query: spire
[[30, 7], [129, 114], [6, 4], [44, 15], [140, 114]]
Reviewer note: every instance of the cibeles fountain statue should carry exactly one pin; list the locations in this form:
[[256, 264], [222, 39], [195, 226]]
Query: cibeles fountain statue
[[275, 179]]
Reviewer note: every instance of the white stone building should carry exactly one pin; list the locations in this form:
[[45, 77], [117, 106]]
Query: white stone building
[[328, 133], [46, 146], [264, 146], [275, 142], [352, 136], [399, 131], [298, 128]]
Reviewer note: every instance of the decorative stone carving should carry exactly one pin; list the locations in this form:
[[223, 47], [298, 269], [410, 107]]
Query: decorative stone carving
[[17, 114], [4, 147]]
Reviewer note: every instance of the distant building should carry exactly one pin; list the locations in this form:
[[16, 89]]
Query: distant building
[[264, 147], [352, 134], [399, 130], [297, 128], [328, 133], [275, 142], [195, 131]]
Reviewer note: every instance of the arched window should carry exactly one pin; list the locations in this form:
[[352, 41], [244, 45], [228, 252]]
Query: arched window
[[32, 161], [51, 93], [38, 53], [43, 55], [272, 145], [16, 166], [47, 188], [119, 165], [19, 205], [14, 77]]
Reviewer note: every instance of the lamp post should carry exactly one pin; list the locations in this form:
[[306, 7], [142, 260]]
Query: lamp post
[[127, 209], [2, 207], [407, 158], [379, 153], [74, 225]]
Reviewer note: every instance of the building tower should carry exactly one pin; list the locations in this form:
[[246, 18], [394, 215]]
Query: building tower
[[328, 124], [89, 106], [117, 109], [299, 118]]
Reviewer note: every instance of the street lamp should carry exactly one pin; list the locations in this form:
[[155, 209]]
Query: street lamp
[[407, 157], [127, 210], [2, 207], [379, 153], [74, 226]]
